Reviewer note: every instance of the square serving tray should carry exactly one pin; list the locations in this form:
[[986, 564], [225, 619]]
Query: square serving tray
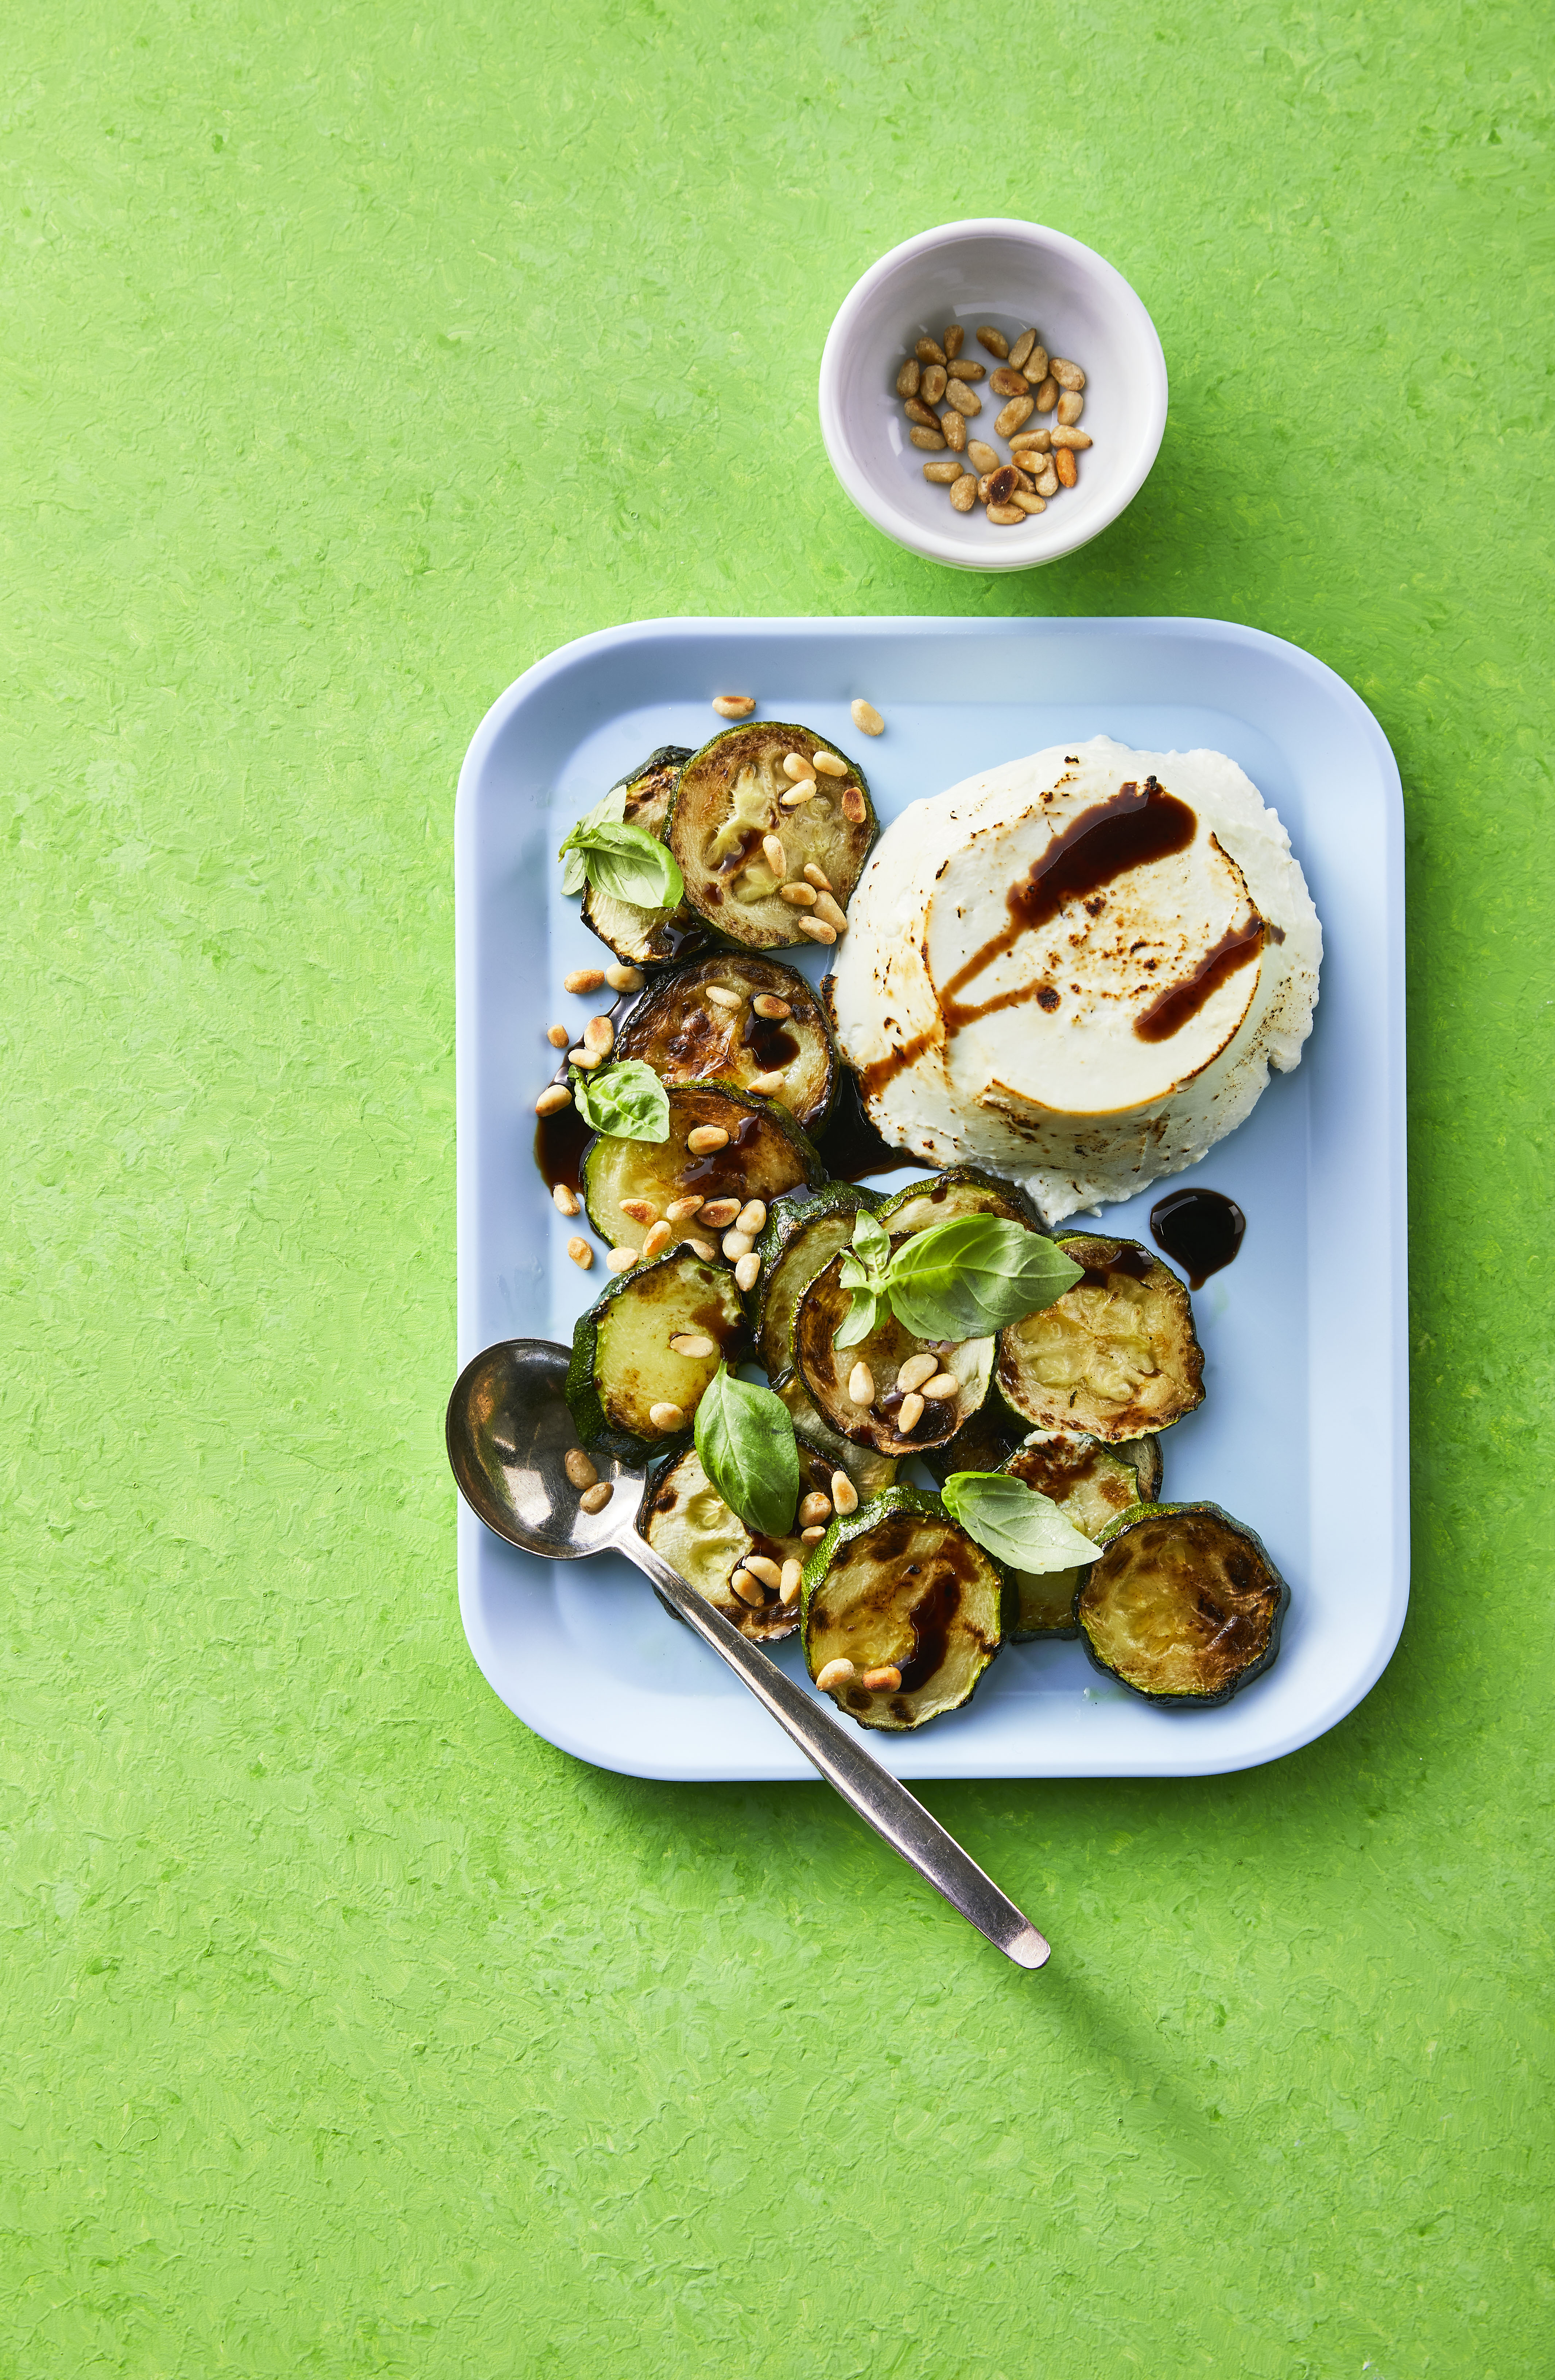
[[1304, 1430]]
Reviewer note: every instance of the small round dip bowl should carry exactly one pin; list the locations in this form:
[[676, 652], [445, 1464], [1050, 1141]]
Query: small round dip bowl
[[1017, 277]]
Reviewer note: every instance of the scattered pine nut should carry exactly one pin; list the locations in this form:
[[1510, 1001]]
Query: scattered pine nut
[[775, 856], [703, 1249], [1028, 505], [1068, 470], [964, 495], [886, 1680], [953, 340], [916, 410], [565, 1201], [1047, 395], [827, 762], [1036, 367], [966, 400], [583, 979], [581, 1252], [705, 1137], [794, 765], [790, 1580], [767, 1004], [553, 1100], [835, 1674], [909, 1413], [746, 1588], [736, 1244], [940, 474], [930, 351], [1031, 441], [1005, 515], [578, 1468], [968, 370], [720, 993], [861, 1384], [1005, 383], [1067, 375], [798, 896], [657, 1239], [853, 799], [933, 383], [691, 1344], [954, 429], [621, 1259], [599, 1034], [845, 1495], [981, 456], [1047, 479], [995, 341], [802, 791], [812, 1536], [719, 1213], [748, 1273], [734, 706], [641, 1210], [752, 1217], [594, 1500], [762, 1566], [817, 876], [929, 440], [558, 1036], [867, 718], [680, 1211], [908, 377], [829, 913], [666, 1417], [815, 930], [1069, 410], [814, 1507], [1021, 348], [916, 1370], [1018, 410], [941, 1384], [766, 1086], [586, 1058], [999, 486], [1077, 440], [624, 979]]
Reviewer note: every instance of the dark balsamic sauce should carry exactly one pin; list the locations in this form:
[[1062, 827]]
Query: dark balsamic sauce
[[560, 1141], [930, 1621], [850, 1146], [1201, 1229]]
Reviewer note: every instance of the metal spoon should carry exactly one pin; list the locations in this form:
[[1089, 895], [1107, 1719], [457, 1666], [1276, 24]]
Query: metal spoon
[[508, 1429]]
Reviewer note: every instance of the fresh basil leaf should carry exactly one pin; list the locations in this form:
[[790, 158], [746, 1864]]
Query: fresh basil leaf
[[626, 862], [866, 1314], [1013, 1523], [626, 1100], [871, 1238], [574, 867], [966, 1279], [745, 1441]]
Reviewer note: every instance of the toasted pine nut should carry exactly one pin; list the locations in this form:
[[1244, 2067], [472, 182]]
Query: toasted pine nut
[[641, 1210], [798, 896], [705, 1137], [938, 475], [954, 429], [722, 997], [933, 383], [1047, 395], [762, 1566], [748, 1588], [942, 1384], [929, 440], [830, 914], [790, 1580], [767, 1087], [734, 706], [845, 1495], [752, 1217], [747, 1272], [867, 718], [999, 486], [578, 1468], [586, 1058], [565, 1201], [666, 1417], [621, 1259], [1028, 505], [916, 1370], [1070, 409], [594, 1500], [657, 1239], [827, 762], [981, 456], [1047, 482], [908, 377], [558, 1036], [802, 791], [1005, 515], [1075, 440], [835, 1674], [1019, 409], [1036, 367], [1005, 383], [853, 799], [553, 1100], [581, 1252], [909, 1413], [624, 979], [967, 370], [1068, 470], [1021, 348], [719, 1213], [599, 1034], [691, 1344], [1067, 375], [1031, 441], [930, 351], [814, 1507], [767, 1004], [964, 495], [916, 410], [815, 930], [886, 1680], [966, 400], [812, 1536], [703, 1249], [861, 1384], [736, 1244], [796, 766], [583, 979], [680, 1211], [995, 341], [817, 876], [952, 341], [775, 856]]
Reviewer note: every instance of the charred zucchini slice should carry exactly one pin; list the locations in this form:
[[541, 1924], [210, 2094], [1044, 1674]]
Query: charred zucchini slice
[[949, 1197], [1091, 1485], [765, 1153], [984, 1443], [898, 1588], [685, 1519], [803, 1234], [688, 1034], [1182, 1606], [870, 1473], [622, 1364], [646, 936], [1115, 1356], [729, 798], [827, 1370]]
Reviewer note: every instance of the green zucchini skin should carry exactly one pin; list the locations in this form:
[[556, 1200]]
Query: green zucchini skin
[[674, 1292], [767, 1154], [687, 1037], [904, 1523], [950, 1197], [640, 937], [799, 1224], [870, 1473], [684, 1519], [1091, 1485], [1209, 1573], [725, 886], [1091, 1342]]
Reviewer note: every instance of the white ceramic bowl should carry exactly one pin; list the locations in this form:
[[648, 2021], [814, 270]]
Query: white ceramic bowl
[[1016, 276]]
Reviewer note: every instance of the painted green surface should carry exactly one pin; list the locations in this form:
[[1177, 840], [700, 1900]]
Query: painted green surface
[[354, 357]]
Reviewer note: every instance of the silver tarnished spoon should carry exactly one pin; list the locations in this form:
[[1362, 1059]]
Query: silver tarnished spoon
[[508, 1429]]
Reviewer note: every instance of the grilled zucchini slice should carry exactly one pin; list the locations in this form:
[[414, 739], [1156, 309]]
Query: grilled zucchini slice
[[984, 1443], [898, 1587], [826, 1371], [1091, 1484], [729, 797], [766, 1153], [803, 1233], [1115, 1356], [622, 1363], [1182, 1606], [646, 936], [685, 1519], [870, 1473], [688, 1036], [949, 1197]]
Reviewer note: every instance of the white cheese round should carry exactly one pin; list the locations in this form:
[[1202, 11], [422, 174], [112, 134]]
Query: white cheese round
[[1077, 969]]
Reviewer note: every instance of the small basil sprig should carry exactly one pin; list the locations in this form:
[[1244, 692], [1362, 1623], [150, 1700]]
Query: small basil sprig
[[1013, 1523], [626, 1100], [745, 1439], [956, 1281], [625, 861]]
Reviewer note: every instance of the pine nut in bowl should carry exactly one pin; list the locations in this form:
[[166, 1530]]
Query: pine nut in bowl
[[1077, 409]]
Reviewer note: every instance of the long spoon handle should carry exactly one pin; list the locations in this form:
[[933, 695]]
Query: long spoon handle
[[881, 1800]]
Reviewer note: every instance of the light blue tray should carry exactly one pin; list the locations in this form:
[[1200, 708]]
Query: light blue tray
[[1304, 1429]]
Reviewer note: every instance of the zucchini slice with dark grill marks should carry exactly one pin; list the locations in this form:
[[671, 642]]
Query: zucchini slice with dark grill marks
[[682, 1030], [1115, 1356], [729, 798], [897, 1587], [1183, 1605], [803, 1234], [622, 1363], [1091, 1485], [646, 936], [685, 1519], [950, 1197], [870, 1473], [827, 1369], [984, 1443], [766, 1154]]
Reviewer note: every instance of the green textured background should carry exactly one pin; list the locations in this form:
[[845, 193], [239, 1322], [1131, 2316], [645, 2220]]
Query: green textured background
[[353, 359]]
